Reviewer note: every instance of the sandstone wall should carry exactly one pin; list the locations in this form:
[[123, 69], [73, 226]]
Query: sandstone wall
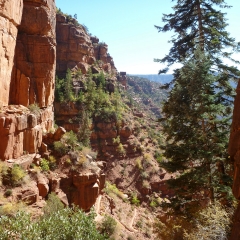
[[21, 131], [34, 66], [77, 50], [27, 74], [10, 18]]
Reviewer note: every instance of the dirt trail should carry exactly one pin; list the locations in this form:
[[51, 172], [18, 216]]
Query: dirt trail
[[132, 221], [99, 217], [98, 204]]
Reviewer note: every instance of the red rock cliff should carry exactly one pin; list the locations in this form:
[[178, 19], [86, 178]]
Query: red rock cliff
[[77, 50], [27, 72], [234, 152], [10, 18], [34, 66]]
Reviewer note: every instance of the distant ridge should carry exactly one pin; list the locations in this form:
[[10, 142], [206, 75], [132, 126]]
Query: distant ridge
[[163, 78]]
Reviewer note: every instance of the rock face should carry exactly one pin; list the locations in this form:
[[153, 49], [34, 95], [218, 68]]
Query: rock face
[[234, 152], [82, 189], [21, 131], [10, 18], [27, 74], [77, 50], [34, 64]]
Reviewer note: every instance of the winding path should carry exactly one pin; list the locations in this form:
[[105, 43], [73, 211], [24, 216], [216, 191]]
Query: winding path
[[99, 217]]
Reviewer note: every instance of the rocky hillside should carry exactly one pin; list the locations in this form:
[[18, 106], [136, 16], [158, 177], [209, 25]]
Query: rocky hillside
[[72, 126], [147, 95], [89, 97]]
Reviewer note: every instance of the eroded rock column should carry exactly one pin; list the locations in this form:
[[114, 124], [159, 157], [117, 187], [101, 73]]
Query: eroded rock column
[[10, 18]]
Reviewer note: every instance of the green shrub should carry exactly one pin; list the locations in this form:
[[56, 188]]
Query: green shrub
[[8, 193], [108, 225], [44, 164], [111, 188], [213, 222], [11, 209], [35, 109], [116, 140], [52, 162], [17, 174], [54, 204], [139, 164], [121, 150], [70, 138], [153, 204], [64, 224], [135, 200], [60, 147]]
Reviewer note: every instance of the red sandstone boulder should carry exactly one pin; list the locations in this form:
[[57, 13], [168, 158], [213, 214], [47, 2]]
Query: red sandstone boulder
[[42, 184]]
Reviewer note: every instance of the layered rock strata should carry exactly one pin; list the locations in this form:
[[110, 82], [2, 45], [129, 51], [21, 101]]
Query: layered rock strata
[[21, 131], [27, 74], [33, 74], [77, 50], [10, 18]]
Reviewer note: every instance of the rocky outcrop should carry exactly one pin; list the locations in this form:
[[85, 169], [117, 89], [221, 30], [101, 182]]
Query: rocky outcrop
[[101, 54], [77, 50], [21, 131], [27, 74], [34, 64], [234, 152], [10, 18], [82, 189]]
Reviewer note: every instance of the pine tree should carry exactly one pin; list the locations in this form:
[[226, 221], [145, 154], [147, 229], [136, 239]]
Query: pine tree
[[198, 23], [197, 126], [198, 110]]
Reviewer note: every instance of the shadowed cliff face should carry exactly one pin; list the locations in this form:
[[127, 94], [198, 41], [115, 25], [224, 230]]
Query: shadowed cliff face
[[234, 152]]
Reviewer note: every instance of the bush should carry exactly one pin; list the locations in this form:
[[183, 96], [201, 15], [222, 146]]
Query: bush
[[121, 150], [8, 193], [35, 109], [70, 138], [44, 164], [135, 200], [60, 148], [11, 209], [67, 223], [139, 164], [111, 188], [17, 174], [54, 204], [108, 225], [52, 162], [210, 223], [213, 222]]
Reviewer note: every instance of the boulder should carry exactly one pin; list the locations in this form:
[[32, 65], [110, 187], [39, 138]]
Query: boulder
[[42, 184]]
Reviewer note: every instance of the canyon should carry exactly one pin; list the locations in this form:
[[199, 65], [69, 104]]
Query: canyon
[[36, 44]]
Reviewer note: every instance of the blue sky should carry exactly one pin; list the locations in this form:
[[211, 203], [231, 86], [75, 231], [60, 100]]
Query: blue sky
[[127, 27]]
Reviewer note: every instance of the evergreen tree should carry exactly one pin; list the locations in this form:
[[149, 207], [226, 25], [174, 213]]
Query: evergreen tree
[[198, 23], [198, 110], [197, 127]]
